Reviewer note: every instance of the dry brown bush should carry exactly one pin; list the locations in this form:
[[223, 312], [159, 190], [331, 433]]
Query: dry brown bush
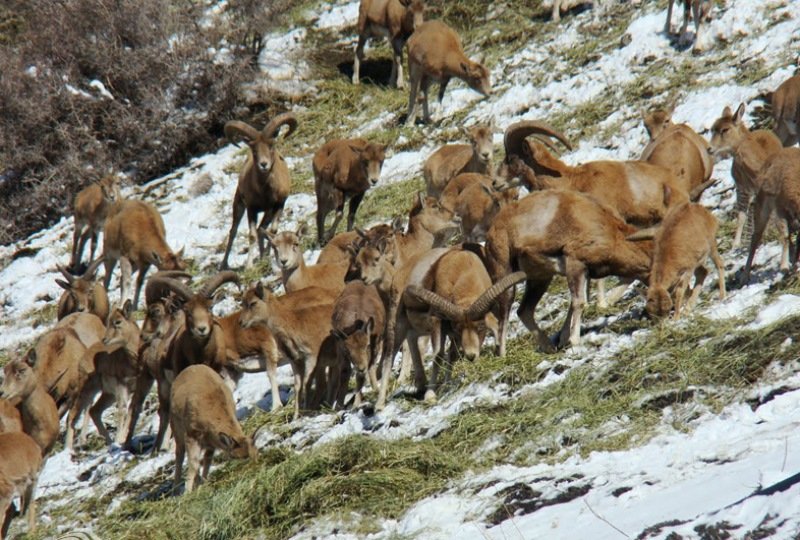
[[171, 93]]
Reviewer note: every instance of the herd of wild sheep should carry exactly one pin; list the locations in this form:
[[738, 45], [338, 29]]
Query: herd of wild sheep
[[375, 291]]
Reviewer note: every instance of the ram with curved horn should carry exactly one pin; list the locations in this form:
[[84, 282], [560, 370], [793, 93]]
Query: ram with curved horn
[[446, 290], [201, 341], [82, 293], [264, 181]]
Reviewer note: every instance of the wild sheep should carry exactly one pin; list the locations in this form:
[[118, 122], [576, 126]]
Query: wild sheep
[[134, 234], [701, 11], [682, 243], [201, 340], [295, 274], [750, 151], [300, 321], [264, 181], [779, 192], [82, 293], [90, 208], [358, 323], [452, 160], [10, 419], [786, 110], [20, 464], [473, 199], [394, 19], [459, 292], [639, 191], [203, 419], [59, 359], [429, 225], [560, 232], [116, 369], [678, 148], [23, 389], [435, 55], [344, 169], [345, 245], [409, 314]]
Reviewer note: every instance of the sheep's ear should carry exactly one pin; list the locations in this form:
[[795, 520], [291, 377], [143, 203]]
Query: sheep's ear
[[30, 358], [156, 258], [487, 189], [127, 309], [739, 114], [369, 325], [63, 284], [727, 111], [260, 290], [421, 199], [227, 441], [338, 334], [302, 230], [465, 68], [356, 149], [397, 224]]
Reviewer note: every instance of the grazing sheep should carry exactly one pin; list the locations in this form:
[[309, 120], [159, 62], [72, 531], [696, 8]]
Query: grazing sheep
[[750, 151], [60, 360], [435, 55], [134, 234], [264, 181], [560, 232], [90, 209], [82, 293], [786, 110], [779, 192], [344, 169], [473, 199], [358, 323], [395, 19], [452, 160], [203, 419], [20, 465], [682, 243]]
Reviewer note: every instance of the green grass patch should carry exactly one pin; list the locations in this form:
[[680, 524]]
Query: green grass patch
[[283, 490], [388, 201]]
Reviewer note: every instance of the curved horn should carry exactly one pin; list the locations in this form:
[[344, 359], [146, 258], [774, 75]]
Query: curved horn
[[92, 268], [644, 234], [517, 132], [275, 124], [481, 306], [697, 191], [64, 272], [548, 142], [153, 292], [236, 129], [445, 307], [173, 285], [208, 288]]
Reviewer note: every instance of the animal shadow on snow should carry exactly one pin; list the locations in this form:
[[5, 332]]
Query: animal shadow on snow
[[374, 71]]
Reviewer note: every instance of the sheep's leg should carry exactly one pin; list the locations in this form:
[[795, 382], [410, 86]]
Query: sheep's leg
[[439, 358], [125, 269], [271, 355], [419, 369], [270, 221], [404, 377], [556, 14], [336, 220], [252, 237], [308, 371], [359, 57], [783, 229], [143, 384], [359, 387], [602, 301], [700, 274], [667, 25], [93, 248], [207, 458], [29, 505], [504, 314], [139, 283], [442, 88], [451, 359], [123, 417], [576, 278], [297, 368], [685, 25], [720, 269], [397, 64], [396, 335], [77, 252], [763, 210], [534, 290], [180, 453], [238, 213], [96, 412], [352, 206], [163, 414], [322, 213], [108, 263], [414, 82], [193, 452], [426, 114]]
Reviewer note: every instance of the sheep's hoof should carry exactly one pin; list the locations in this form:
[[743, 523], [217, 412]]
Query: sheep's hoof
[[429, 397]]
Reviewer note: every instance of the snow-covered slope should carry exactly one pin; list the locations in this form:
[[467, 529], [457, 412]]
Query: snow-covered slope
[[695, 480]]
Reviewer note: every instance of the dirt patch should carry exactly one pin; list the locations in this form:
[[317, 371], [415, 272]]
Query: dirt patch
[[521, 499]]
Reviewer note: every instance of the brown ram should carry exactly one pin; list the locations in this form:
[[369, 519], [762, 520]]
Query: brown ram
[[90, 209], [82, 293], [264, 181]]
